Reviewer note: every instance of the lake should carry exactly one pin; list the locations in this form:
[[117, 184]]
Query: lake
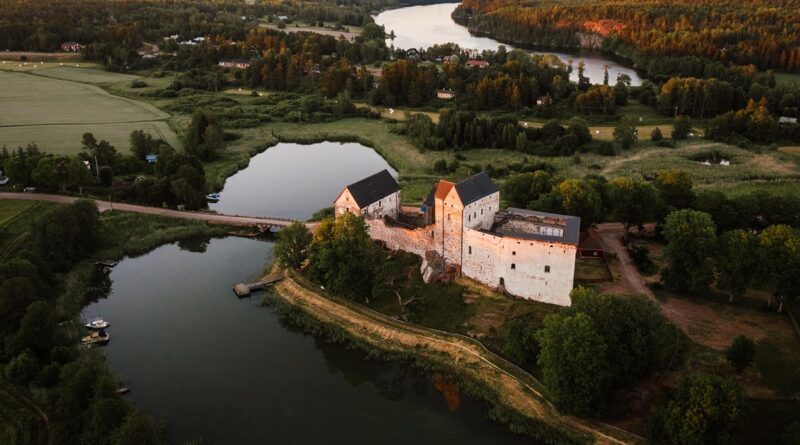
[[225, 370], [428, 25], [295, 180]]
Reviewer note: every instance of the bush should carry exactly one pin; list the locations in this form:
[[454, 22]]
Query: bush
[[741, 353], [656, 135], [138, 83], [681, 128]]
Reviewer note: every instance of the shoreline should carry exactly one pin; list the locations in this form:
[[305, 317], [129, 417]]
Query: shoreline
[[517, 398]]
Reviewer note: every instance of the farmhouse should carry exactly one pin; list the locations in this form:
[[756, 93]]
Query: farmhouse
[[234, 63], [460, 230], [477, 63], [445, 94], [71, 46]]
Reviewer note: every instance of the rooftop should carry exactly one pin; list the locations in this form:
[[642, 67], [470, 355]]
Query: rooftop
[[373, 188], [476, 187], [540, 226]]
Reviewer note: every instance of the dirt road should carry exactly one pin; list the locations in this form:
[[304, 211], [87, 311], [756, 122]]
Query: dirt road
[[216, 218], [610, 234]]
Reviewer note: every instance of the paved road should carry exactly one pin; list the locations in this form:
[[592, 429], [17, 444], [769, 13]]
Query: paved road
[[217, 218]]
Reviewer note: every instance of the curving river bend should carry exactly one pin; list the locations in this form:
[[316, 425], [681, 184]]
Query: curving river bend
[[428, 25]]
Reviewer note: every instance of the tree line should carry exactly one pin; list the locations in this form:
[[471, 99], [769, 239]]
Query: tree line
[[740, 31], [39, 354]]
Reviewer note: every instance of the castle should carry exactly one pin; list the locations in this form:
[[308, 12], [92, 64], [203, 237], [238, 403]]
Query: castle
[[461, 229]]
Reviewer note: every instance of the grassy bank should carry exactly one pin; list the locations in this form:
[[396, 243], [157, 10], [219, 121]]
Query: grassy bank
[[518, 398]]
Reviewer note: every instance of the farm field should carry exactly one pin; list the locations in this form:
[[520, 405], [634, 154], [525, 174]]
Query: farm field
[[85, 75], [15, 65], [54, 113]]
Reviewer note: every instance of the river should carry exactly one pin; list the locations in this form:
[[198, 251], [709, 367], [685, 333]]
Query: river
[[213, 367], [295, 180], [428, 25]]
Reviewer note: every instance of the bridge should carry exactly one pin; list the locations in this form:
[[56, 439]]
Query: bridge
[[214, 218]]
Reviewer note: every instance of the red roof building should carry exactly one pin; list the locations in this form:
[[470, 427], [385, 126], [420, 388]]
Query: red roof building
[[477, 63]]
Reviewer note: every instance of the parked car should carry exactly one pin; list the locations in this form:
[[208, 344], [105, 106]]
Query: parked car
[[29, 189], [4, 180]]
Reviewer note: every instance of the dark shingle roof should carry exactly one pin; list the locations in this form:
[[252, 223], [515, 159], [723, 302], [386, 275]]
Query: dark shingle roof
[[373, 188], [475, 188]]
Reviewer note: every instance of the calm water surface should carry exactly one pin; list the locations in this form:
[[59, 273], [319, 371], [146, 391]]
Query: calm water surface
[[294, 180], [213, 367], [428, 25]]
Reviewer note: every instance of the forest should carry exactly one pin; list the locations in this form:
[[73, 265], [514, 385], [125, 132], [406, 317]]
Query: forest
[[765, 34]]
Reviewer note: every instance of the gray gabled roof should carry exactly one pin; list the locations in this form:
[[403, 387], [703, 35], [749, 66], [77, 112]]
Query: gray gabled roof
[[373, 188], [475, 188]]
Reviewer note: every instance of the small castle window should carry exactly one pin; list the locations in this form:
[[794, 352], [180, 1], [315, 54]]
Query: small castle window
[[481, 211], [546, 269], [470, 250], [469, 217], [513, 253], [513, 266], [475, 214]]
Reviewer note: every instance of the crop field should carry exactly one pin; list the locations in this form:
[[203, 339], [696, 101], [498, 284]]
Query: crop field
[[54, 114], [85, 75], [38, 66]]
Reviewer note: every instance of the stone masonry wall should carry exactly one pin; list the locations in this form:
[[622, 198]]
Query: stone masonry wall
[[416, 241], [537, 270]]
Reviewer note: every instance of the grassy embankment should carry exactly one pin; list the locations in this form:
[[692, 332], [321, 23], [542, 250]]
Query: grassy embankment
[[518, 398]]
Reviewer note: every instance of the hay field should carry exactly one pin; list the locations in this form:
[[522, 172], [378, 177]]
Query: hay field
[[85, 75], [54, 114]]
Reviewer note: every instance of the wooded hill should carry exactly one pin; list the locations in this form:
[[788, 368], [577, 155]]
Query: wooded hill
[[763, 33]]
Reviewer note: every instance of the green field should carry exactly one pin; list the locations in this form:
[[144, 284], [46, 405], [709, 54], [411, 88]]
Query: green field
[[54, 113], [84, 75], [11, 208]]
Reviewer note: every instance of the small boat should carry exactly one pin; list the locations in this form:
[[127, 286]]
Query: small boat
[[97, 323], [214, 197], [99, 337]]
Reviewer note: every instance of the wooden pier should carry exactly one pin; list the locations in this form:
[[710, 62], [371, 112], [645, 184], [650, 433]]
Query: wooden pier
[[106, 264], [245, 289]]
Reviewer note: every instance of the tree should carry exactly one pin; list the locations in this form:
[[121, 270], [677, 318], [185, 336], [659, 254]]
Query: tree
[[633, 200], [343, 257], [692, 238], [392, 280], [637, 336], [204, 136], [741, 353], [625, 132], [138, 429], [780, 245], [706, 410], [573, 361], [142, 144], [291, 250], [188, 187], [22, 368], [675, 187], [520, 346], [738, 259], [578, 198], [681, 127], [106, 175], [521, 189], [656, 135]]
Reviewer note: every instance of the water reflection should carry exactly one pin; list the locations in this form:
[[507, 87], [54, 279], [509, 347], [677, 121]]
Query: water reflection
[[428, 25], [295, 180], [224, 370]]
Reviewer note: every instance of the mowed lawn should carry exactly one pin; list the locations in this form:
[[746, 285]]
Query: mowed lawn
[[54, 113]]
